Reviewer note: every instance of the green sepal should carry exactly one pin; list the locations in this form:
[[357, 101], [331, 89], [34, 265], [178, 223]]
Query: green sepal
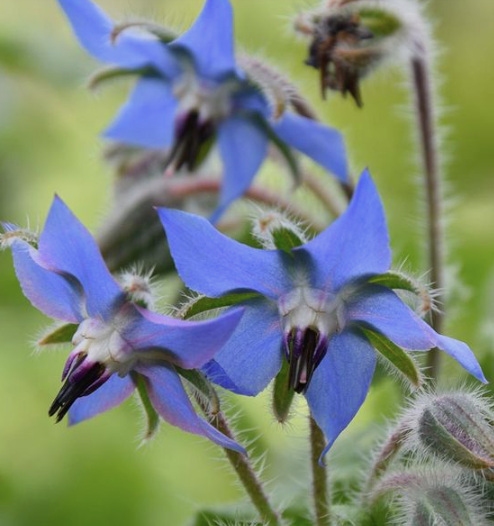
[[442, 504], [381, 23], [203, 386], [62, 334], [152, 417], [399, 358], [112, 73], [164, 34], [286, 239], [398, 281], [283, 148], [282, 395], [204, 304]]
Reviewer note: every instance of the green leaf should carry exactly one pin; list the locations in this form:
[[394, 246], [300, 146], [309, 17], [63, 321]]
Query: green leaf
[[204, 304], [152, 417], [396, 355], [62, 334], [282, 395], [203, 385], [286, 239]]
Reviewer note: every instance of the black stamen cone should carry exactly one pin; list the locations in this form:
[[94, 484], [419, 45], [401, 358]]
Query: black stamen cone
[[303, 359], [72, 390], [191, 136]]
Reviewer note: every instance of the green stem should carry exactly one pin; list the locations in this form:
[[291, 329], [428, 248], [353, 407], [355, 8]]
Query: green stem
[[421, 77], [243, 468], [319, 477]]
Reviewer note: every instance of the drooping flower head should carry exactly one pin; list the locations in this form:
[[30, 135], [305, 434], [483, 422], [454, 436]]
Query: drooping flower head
[[191, 94], [117, 343], [314, 307]]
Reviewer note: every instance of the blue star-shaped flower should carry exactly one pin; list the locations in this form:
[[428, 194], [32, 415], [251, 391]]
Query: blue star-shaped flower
[[117, 343], [310, 307], [192, 95]]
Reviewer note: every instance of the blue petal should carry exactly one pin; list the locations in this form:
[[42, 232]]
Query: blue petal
[[189, 344], [148, 117], [51, 293], [213, 264], [253, 355], [93, 29], [355, 245], [210, 40], [66, 246], [112, 393], [322, 144], [243, 148], [462, 354], [170, 400], [385, 312], [340, 384]]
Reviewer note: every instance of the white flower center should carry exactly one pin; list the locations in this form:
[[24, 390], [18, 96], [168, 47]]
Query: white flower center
[[305, 307], [212, 101], [102, 343]]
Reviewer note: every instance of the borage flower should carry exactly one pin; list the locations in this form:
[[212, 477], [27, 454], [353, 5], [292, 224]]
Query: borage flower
[[191, 94], [313, 307], [117, 343]]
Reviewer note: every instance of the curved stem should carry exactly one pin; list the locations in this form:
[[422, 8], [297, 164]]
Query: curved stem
[[321, 192], [319, 477], [243, 468], [422, 83], [256, 193], [386, 454]]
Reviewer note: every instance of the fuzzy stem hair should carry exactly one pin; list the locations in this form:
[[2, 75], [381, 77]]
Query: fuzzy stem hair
[[243, 468], [427, 127], [320, 491]]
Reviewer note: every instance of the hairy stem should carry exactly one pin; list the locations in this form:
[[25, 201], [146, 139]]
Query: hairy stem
[[243, 468], [319, 477], [256, 193], [322, 193], [384, 457], [421, 77]]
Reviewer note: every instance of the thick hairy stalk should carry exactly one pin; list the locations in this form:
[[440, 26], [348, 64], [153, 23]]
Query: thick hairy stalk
[[319, 477]]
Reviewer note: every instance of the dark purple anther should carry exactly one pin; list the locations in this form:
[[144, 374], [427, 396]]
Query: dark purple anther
[[304, 350], [82, 377], [192, 137]]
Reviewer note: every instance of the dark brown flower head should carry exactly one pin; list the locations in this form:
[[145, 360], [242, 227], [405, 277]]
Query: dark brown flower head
[[341, 52]]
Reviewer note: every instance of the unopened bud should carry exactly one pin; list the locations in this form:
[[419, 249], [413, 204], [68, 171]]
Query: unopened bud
[[456, 427], [440, 495], [441, 505], [139, 288], [276, 231]]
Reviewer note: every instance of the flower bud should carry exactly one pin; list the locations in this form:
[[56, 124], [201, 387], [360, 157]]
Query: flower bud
[[439, 495], [276, 231], [350, 38], [139, 288], [456, 427]]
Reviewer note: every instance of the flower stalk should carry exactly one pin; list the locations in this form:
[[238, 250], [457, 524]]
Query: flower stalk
[[424, 105], [243, 468], [319, 476]]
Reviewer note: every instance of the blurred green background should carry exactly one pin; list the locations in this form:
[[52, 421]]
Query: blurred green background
[[49, 125]]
